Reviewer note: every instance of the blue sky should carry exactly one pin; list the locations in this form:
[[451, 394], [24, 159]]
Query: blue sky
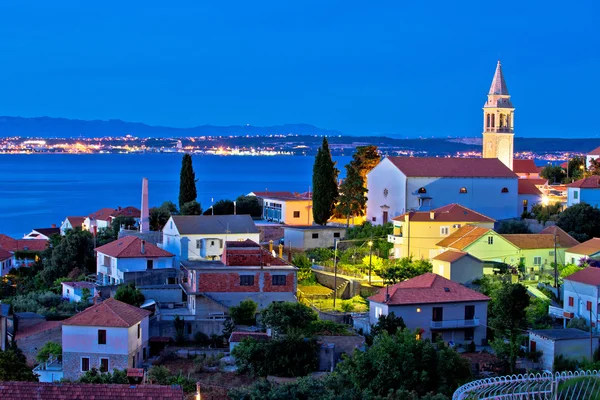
[[408, 69]]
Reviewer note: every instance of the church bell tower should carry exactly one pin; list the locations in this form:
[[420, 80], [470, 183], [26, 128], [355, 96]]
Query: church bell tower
[[498, 121]]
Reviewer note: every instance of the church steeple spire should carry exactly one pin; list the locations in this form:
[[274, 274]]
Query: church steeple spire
[[498, 83]]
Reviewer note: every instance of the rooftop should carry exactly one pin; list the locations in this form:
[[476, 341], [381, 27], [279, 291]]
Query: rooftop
[[588, 275], [448, 213], [562, 334], [129, 211], [239, 336], [48, 231], [524, 167], [532, 240], [593, 182], [214, 224], [315, 228], [562, 237], [5, 254], [526, 186], [463, 237], [103, 214], [452, 167], [12, 245], [595, 152], [109, 313], [451, 256], [131, 247], [80, 284], [427, 288], [76, 222], [587, 248], [87, 391], [37, 328]]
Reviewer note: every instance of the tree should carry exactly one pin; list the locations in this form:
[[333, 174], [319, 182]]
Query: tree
[[325, 189], [13, 365], [576, 168], [352, 198], [594, 167], [159, 375], [244, 313], [49, 348], [364, 159], [187, 181], [544, 213], [75, 250], [403, 269], [305, 273], [130, 295], [160, 215], [179, 324], [287, 316], [191, 208], [554, 174], [221, 207], [248, 205], [582, 221], [118, 222], [388, 323], [94, 375], [513, 226]]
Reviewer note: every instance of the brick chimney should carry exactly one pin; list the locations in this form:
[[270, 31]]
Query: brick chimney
[[431, 215], [54, 225], [143, 249], [145, 212]]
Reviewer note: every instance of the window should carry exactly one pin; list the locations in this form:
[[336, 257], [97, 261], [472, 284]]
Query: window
[[296, 214], [422, 190], [490, 240], [103, 364], [106, 261], [469, 312], [378, 312], [212, 242], [315, 235], [588, 306], [139, 330], [133, 362], [469, 334], [198, 243], [149, 264], [537, 260], [463, 190], [533, 346], [85, 364], [336, 234], [571, 302], [504, 190], [575, 194], [572, 260], [246, 280], [374, 219], [278, 280], [444, 230], [437, 314], [144, 353], [101, 336]]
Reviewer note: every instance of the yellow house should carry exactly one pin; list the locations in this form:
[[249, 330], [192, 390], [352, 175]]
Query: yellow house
[[417, 233], [286, 208]]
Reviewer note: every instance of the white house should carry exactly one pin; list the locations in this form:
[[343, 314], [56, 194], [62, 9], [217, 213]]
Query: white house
[[108, 335], [457, 266], [580, 294], [73, 291], [42, 233], [129, 254], [24, 251], [100, 219], [400, 184], [71, 223], [6, 262], [571, 343], [202, 237], [436, 306], [582, 251], [586, 190], [592, 155]]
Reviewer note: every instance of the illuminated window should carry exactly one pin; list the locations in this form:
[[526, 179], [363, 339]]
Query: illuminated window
[[422, 190], [463, 190]]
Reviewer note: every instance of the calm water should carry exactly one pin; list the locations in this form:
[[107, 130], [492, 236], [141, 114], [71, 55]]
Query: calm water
[[39, 190]]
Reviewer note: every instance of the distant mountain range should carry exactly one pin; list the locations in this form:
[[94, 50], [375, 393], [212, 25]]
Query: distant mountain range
[[47, 127]]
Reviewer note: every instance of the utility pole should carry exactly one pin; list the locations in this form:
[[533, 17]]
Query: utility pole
[[370, 256], [591, 338], [335, 244], [556, 268]]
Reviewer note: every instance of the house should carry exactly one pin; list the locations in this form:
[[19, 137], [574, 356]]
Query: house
[[107, 335], [311, 237], [6, 262], [100, 219], [526, 169], [457, 266], [529, 195], [572, 343], [246, 271], [237, 337], [31, 338], [24, 251], [71, 223], [586, 190], [401, 184], [436, 306], [73, 291], [581, 295], [201, 237], [592, 155], [417, 233], [79, 391], [43, 233], [582, 251], [286, 207], [129, 254], [6, 325]]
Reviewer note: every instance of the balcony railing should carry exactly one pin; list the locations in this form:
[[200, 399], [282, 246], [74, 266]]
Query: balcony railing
[[556, 312], [395, 239], [455, 323]]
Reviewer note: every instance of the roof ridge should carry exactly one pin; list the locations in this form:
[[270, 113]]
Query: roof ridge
[[112, 301]]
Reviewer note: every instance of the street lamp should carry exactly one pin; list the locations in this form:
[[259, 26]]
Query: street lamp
[[370, 257]]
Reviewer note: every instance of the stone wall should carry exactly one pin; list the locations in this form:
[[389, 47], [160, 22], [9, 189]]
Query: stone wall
[[343, 344], [346, 288], [72, 363], [31, 344]]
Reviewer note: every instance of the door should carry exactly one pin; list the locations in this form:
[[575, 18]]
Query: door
[[385, 217], [525, 204]]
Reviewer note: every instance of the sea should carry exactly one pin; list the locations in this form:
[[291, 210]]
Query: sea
[[39, 190]]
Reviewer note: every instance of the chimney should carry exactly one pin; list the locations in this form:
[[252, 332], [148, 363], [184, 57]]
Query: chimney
[[387, 297], [145, 216], [270, 246], [431, 215], [280, 250], [143, 250], [54, 225]]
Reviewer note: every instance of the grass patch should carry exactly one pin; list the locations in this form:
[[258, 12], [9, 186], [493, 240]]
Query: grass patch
[[314, 289], [355, 304]]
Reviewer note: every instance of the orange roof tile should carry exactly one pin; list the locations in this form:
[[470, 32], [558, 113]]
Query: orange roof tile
[[427, 288], [589, 275], [38, 328], [109, 313], [562, 237], [5, 254], [587, 248], [524, 167], [76, 222], [450, 256], [131, 247], [103, 214], [531, 240], [595, 152], [12, 245], [593, 182], [452, 167], [526, 186], [448, 213], [87, 391], [463, 237], [128, 211]]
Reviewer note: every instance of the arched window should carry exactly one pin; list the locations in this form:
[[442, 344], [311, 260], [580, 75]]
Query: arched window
[[488, 120], [504, 190], [508, 120], [463, 190], [493, 120], [422, 190]]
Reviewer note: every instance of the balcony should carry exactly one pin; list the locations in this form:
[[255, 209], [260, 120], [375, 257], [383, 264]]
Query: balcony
[[555, 312], [395, 239], [455, 323]]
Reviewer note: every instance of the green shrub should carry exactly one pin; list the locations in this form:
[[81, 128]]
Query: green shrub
[[201, 338], [327, 328], [287, 315], [159, 375], [244, 313], [49, 348]]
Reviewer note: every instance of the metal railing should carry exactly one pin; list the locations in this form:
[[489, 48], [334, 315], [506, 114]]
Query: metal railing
[[455, 323], [546, 386], [555, 311]]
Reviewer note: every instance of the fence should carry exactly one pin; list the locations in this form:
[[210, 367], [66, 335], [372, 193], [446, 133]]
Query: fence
[[559, 386]]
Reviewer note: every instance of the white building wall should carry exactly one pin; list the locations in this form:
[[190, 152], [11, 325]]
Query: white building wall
[[581, 294], [134, 343], [385, 176], [84, 339], [532, 199], [546, 346], [571, 200], [573, 258]]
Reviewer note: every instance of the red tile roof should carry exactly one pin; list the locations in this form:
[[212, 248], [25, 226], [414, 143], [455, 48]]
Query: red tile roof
[[562, 237], [230, 244], [450, 256], [524, 167], [538, 181], [595, 152], [593, 182], [38, 328], [588, 275], [5, 254], [76, 222], [427, 288], [448, 213], [103, 214], [109, 313], [131, 247], [526, 186], [452, 167], [531, 240], [239, 336], [128, 211], [587, 248], [12, 245], [249, 254], [87, 391], [80, 284], [463, 237]]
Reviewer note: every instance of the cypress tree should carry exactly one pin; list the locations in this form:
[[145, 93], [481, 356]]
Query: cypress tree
[[187, 181], [352, 195], [325, 189]]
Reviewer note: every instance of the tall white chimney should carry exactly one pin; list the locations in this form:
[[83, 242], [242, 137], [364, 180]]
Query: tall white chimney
[[145, 217]]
